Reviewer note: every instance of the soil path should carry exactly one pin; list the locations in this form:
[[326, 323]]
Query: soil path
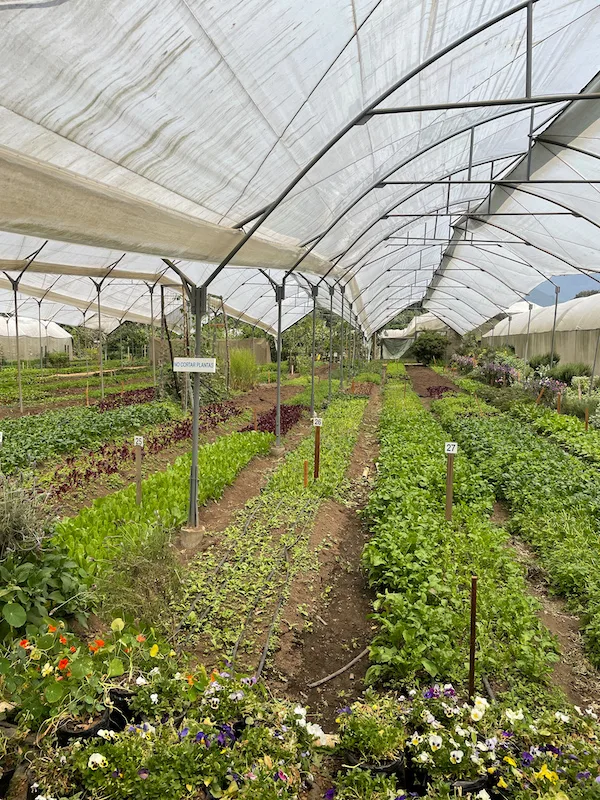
[[573, 673], [325, 622], [422, 378], [259, 399]]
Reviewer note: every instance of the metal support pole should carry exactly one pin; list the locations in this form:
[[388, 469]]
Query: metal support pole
[[556, 293], [528, 329], [342, 289], [101, 362], [279, 297], [315, 292], [331, 291], [528, 82], [353, 350], [40, 334], [153, 343], [199, 310], [15, 285], [594, 364]]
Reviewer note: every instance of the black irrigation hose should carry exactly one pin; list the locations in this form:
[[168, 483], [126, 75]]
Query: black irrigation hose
[[284, 555]]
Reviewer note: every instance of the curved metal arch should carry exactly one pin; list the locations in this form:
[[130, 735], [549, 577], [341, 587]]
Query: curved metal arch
[[390, 286], [453, 310], [549, 200], [470, 288], [426, 185], [477, 268], [411, 287], [443, 140], [395, 264], [523, 5], [535, 246]]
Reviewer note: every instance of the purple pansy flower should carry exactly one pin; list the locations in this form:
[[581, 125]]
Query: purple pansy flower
[[329, 794], [183, 733], [583, 776], [143, 773]]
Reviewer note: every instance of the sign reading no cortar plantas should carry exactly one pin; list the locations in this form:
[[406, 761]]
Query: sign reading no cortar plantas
[[194, 365]]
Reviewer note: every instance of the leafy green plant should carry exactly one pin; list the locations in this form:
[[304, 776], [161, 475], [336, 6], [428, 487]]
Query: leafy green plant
[[566, 372], [99, 532], [421, 565], [430, 346], [543, 360]]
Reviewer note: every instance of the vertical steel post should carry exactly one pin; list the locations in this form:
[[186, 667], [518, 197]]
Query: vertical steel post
[[556, 293], [315, 292], [101, 363], [199, 309], [15, 285], [152, 341], [39, 302], [342, 289], [279, 297], [528, 329], [353, 348], [331, 291], [594, 364]]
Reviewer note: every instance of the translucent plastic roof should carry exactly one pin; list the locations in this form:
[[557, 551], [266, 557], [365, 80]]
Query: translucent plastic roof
[[424, 322], [151, 129]]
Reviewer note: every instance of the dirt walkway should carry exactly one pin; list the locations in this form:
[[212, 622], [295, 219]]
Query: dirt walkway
[[423, 378], [325, 622]]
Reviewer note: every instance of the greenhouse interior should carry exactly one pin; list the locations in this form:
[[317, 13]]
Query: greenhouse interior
[[300, 400]]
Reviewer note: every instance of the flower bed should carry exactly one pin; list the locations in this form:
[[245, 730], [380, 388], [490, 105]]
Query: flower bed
[[127, 398], [421, 565], [554, 497], [289, 416]]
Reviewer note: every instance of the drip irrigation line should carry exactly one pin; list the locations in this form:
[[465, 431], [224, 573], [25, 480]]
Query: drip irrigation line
[[354, 661], [259, 594], [263, 657], [217, 571]]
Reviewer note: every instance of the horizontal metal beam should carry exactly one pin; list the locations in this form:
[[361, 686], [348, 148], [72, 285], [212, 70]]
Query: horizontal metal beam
[[475, 181], [499, 101], [417, 215], [422, 240]]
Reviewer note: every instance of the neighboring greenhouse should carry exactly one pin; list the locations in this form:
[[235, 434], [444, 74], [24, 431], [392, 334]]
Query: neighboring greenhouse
[[576, 324], [394, 342], [37, 339]]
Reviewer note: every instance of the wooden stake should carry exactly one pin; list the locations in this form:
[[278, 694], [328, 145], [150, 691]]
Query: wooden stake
[[405, 382], [352, 387], [449, 485], [558, 399], [305, 474], [87, 394], [587, 418], [317, 451], [539, 397], [473, 636], [478, 405], [138, 475]]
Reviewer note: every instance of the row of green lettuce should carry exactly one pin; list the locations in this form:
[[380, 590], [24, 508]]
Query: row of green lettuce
[[554, 498], [421, 565]]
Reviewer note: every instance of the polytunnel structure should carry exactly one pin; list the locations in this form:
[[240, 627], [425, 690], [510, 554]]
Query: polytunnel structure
[[358, 156]]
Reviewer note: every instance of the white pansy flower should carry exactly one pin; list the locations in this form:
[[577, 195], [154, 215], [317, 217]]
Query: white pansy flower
[[481, 702], [47, 669], [482, 746], [154, 671], [461, 731], [561, 717], [425, 758], [477, 713], [214, 703], [154, 698], [96, 760], [412, 693], [435, 742], [140, 680], [483, 795], [416, 739], [513, 716], [106, 735], [475, 758], [456, 756]]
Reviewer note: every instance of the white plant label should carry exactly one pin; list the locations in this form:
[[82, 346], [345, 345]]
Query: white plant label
[[138, 441], [1, 438], [194, 365], [451, 448], [318, 422]]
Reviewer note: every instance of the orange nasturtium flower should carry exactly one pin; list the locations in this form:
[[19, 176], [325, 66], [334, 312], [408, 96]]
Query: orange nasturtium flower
[[51, 628], [140, 637], [23, 643], [100, 642], [190, 679], [93, 647], [62, 640], [62, 664], [72, 649]]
